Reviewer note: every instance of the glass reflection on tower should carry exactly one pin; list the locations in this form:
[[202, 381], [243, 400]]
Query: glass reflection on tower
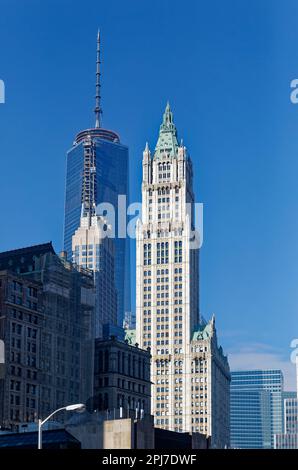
[[111, 180]]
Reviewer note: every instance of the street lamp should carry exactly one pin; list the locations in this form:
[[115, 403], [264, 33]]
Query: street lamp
[[79, 407]]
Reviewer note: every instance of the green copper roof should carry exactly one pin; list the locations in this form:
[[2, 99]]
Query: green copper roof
[[167, 139], [130, 336], [204, 330]]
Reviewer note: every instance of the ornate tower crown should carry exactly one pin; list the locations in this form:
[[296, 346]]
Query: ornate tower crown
[[167, 144]]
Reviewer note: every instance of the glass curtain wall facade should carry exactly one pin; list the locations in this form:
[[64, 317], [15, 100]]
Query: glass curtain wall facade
[[256, 408], [111, 178], [250, 419]]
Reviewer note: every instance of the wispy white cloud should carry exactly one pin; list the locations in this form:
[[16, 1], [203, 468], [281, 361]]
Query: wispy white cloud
[[263, 356], [232, 333]]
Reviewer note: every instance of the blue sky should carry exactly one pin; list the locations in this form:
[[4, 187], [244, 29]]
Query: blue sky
[[226, 67]]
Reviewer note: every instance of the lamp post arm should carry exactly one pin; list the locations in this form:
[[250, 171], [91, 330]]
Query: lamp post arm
[[52, 414], [75, 407]]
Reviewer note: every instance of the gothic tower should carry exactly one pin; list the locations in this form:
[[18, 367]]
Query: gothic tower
[[189, 372]]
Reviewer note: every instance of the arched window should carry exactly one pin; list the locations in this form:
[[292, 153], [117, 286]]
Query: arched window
[[119, 401], [106, 401], [119, 362], [100, 361], [98, 404], [129, 364], [106, 363], [123, 363]]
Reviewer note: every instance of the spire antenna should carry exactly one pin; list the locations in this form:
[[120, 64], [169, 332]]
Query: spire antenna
[[97, 110]]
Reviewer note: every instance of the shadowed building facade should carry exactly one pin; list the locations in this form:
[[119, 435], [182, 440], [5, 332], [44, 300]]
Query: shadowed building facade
[[46, 323], [121, 378]]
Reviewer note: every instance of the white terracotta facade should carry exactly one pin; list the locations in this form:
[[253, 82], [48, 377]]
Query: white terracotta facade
[[185, 380]]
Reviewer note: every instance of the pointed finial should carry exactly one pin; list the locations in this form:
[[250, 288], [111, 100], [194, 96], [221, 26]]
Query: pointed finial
[[97, 110], [167, 139], [147, 147], [168, 115], [168, 109]]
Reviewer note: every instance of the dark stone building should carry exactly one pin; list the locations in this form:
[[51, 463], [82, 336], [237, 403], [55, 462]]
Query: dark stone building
[[21, 320], [121, 378], [47, 325]]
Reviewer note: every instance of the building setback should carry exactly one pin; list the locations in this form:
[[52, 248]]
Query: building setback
[[46, 310], [190, 386]]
